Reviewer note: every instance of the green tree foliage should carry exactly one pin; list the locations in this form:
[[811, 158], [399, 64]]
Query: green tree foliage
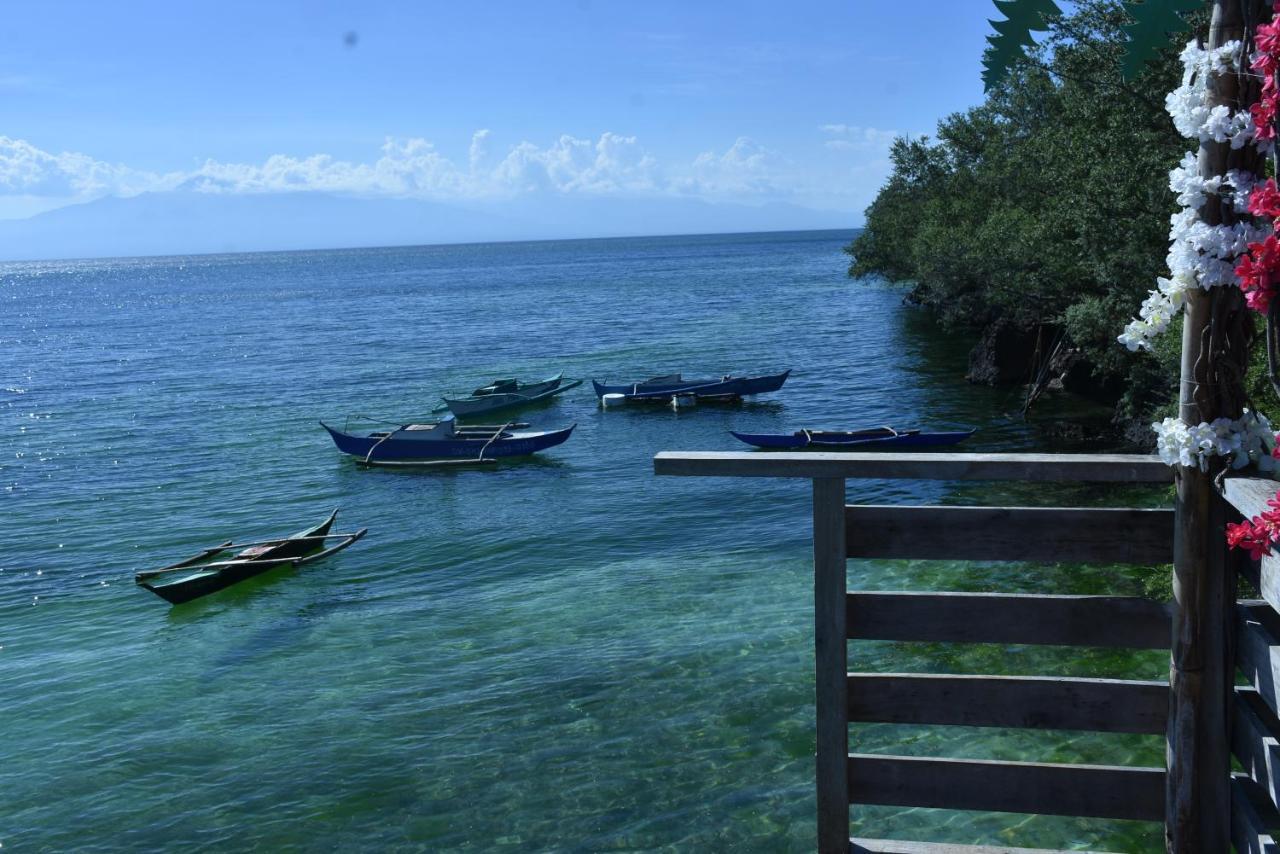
[[1048, 203]]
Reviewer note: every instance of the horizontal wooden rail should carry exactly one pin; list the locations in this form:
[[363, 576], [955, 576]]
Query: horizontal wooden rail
[[1099, 468], [1255, 741], [1112, 621], [1249, 495], [894, 846], [1033, 702], [1258, 649], [1253, 818], [1097, 791], [1046, 534]]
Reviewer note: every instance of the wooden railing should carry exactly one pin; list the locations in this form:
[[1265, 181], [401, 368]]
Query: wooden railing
[[1255, 720], [1083, 535]]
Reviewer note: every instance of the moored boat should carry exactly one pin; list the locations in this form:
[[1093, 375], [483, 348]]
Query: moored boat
[[506, 395], [444, 442], [665, 388], [863, 440], [201, 575]]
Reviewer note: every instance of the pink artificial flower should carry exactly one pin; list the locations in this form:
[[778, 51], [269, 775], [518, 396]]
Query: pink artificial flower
[[1259, 270], [1267, 38], [1265, 200], [1248, 536], [1264, 118], [1264, 63]]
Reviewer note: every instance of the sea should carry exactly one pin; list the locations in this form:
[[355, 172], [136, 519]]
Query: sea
[[566, 653]]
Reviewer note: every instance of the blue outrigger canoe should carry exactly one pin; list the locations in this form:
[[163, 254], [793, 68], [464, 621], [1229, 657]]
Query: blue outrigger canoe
[[666, 387], [862, 440], [506, 395], [444, 443]]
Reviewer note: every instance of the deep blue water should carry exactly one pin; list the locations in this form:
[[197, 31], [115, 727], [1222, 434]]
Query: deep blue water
[[567, 653]]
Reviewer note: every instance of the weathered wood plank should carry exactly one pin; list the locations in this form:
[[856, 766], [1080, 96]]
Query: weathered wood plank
[[1100, 468], [1097, 791], [1249, 495], [1264, 575], [1253, 818], [1198, 747], [895, 846], [830, 658], [1096, 705], [1111, 621], [1047, 534], [1255, 741], [1258, 649]]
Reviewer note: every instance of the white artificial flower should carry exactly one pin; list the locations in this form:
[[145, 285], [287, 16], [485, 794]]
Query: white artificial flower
[[1201, 255], [1241, 441]]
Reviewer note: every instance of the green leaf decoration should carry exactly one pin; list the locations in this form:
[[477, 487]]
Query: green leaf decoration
[[1022, 17], [1153, 22]]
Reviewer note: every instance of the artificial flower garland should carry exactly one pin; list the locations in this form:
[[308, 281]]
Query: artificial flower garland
[[1259, 269], [1244, 440], [1204, 256], [1201, 255], [1260, 533]]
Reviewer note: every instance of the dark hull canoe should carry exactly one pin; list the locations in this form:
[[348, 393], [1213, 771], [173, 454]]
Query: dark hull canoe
[[861, 440], [487, 404], [394, 449], [202, 582], [665, 388]]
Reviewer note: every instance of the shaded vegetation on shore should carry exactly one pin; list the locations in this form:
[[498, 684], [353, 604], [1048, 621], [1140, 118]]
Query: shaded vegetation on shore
[[1040, 218]]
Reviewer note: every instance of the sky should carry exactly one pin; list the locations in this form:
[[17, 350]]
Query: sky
[[746, 102]]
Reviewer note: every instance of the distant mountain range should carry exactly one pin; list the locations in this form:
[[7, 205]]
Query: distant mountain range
[[190, 222]]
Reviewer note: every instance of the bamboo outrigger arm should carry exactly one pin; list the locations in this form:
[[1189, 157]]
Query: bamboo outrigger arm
[[296, 561]]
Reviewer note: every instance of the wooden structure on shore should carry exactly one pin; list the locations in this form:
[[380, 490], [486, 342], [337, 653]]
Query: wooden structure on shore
[[1231, 637]]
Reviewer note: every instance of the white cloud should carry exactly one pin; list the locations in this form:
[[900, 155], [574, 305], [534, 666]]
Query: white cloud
[[611, 164], [29, 171], [412, 168], [477, 152], [849, 137], [745, 169]]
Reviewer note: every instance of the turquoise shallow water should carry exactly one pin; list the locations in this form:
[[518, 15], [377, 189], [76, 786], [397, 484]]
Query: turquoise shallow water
[[562, 654]]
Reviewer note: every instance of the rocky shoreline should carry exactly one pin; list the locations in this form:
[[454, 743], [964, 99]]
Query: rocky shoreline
[[1042, 360]]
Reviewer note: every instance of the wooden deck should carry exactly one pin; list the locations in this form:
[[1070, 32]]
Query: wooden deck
[[1068, 534]]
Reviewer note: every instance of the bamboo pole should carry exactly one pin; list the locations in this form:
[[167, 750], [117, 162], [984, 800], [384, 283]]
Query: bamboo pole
[[1215, 338]]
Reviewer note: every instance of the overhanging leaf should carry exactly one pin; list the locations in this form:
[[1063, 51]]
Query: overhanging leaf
[[1153, 22], [1022, 17]]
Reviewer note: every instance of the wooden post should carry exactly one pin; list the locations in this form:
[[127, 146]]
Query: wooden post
[[831, 653], [1215, 337]]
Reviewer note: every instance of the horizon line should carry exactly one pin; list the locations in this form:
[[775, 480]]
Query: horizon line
[[8, 261]]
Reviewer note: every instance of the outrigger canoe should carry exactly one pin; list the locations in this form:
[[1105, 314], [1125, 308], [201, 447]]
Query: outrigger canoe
[[862, 440], [663, 389], [445, 443], [201, 575], [506, 395]]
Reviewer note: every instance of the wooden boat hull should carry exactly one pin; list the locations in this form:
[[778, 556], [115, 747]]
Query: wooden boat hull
[[470, 407], [406, 449], [514, 386], [200, 582], [862, 440], [664, 390]]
